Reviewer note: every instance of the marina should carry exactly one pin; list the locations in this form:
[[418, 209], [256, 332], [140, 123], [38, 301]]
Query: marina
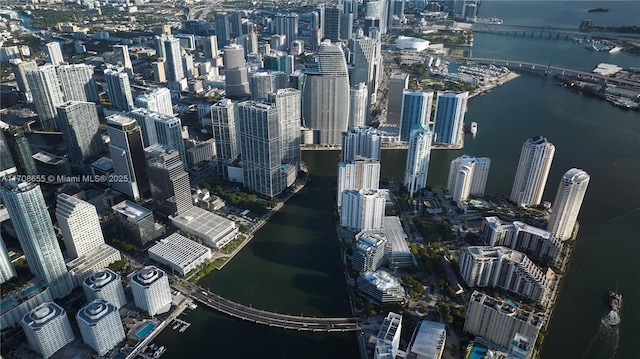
[[151, 352], [180, 325]]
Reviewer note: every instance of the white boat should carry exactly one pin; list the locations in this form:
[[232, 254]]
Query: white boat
[[192, 306], [474, 128], [615, 49]]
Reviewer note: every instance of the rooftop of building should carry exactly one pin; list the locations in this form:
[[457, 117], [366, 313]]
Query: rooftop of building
[[96, 310], [179, 250], [13, 298], [382, 280], [49, 158], [131, 210], [101, 278], [147, 276], [508, 308], [395, 234], [203, 221], [429, 339], [103, 163], [42, 314]]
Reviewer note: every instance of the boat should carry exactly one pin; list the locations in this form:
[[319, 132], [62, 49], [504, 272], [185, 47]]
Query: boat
[[474, 128], [615, 49], [192, 306], [599, 9], [615, 301]]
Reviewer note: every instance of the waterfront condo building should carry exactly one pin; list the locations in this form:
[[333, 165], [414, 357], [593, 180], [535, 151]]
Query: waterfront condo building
[[381, 287], [288, 104], [151, 291], [416, 112], [358, 109], [415, 175], [360, 142], [533, 169], [535, 242], [105, 284], [498, 321], [566, 206], [79, 123], [30, 218], [47, 329], [47, 94], [100, 326], [362, 209], [388, 339], [449, 118], [127, 153], [369, 251], [501, 267], [325, 94], [468, 176], [359, 173]]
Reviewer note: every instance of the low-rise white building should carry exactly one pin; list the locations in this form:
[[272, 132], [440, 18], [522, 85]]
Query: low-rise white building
[[47, 329], [151, 291], [388, 339], [369, 251], [100, 325], [179, 253], [381, 287], [214, 230], [428, 341]]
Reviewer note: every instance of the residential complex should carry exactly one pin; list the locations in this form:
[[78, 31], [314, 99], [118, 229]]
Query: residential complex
[[381, 287], [415, 177], [100, 326], [533, 169], [566, 206], [362, 209], [449, 118], [468, 177], [151, 291], [47, 329], [105, 284]]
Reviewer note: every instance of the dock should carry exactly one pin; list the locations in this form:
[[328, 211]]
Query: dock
[[179, 325]]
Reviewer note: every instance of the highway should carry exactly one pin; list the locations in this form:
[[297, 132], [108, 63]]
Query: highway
[[271, 319]]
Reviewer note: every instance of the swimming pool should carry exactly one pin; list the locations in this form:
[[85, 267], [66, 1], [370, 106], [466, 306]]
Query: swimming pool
[[144, 331], [478, 351]]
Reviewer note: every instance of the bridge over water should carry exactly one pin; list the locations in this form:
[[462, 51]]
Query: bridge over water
[[285, 321]]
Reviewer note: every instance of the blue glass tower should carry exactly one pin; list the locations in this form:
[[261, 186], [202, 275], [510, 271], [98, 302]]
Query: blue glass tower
[[416, 111]]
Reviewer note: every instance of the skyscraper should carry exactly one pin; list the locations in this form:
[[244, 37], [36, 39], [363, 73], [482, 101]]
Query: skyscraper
[[359, 173], [119, 89], [157, 99], [449, 117], [236, 82], [162, 129], [225, 133], [398, 82], [263, 83], [79, 123], [566, 206], [533, 169], [262, 149], [127, 152], [467, 176], [32, 224], [79, 224], [175, 72], [235, 24], [362, 210], [358, 109], [100, 326], [210, 47], [326, 95], [121, 58], [415, 177], [287, 25], [47, 328], [367, 64], [47, 94], [169, 182], [77, 83], [363, 141], [17, 147], [416, 111], [288, 104], [105, 284], [54, 52], [7, 165], [223, 30], [151, 291], [7, 271], [19, 67], [332, 19], [346, 26]]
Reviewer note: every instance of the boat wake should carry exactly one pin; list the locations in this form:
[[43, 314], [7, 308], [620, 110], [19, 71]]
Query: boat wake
[[605, 343], [623, 215]]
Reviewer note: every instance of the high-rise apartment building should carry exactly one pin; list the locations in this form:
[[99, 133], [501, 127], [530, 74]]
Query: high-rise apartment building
[[32, 224], [223, 28], [364, 142], [80, 130], [151, 291], [225, 132], [388, 339], [119, 89], [416, 111], [236, 81], [501, 267], [359, 173], [210, 47], [398, 82], [17, 147], [47, 94], [468, 177], [287, 25], [19, 67], [121, 58], [369, 252], [7, 271], [170, 186], [566, 206], [7, 164], [163, 129], [156, 100], [80, 226], [449, 117], [54, 52], [498, 321], [362, 210], [263, 83], [326, 95], [105, 284], [100, 326], [77, 83], [418, 155], [288, 104], [127, 153], [358, 108], [47, 329], [533, 169], [367, 63], [173, 59], [332, 19]]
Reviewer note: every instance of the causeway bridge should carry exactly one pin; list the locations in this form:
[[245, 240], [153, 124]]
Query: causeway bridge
[[285, 321], [548, 69]]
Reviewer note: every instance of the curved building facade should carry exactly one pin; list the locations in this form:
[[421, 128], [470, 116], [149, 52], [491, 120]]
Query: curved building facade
[[151, 291], [47, 329], [100, 326]]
